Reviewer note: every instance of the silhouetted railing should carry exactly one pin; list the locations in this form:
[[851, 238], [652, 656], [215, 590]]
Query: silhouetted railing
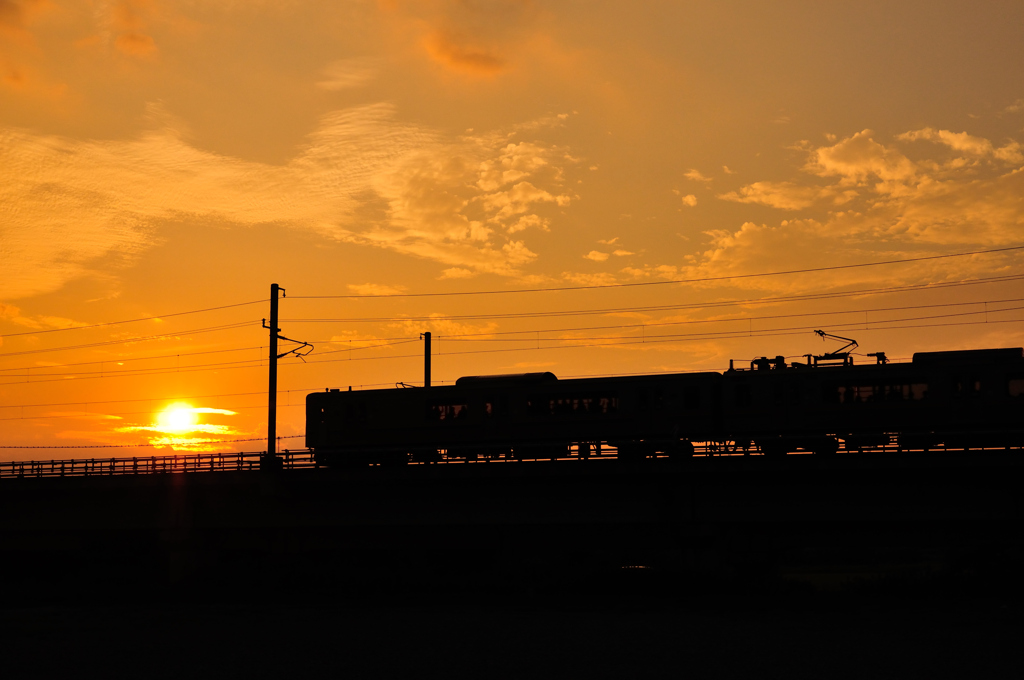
[[152, 465], [304, 459]]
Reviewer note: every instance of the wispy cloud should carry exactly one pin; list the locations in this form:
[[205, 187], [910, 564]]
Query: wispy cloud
[[67, 203], [349, 73]]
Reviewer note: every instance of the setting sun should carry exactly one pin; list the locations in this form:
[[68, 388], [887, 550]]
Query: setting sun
[[177, 419]]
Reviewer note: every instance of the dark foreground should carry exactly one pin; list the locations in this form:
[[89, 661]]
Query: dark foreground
[[890, 566], [955, 637]]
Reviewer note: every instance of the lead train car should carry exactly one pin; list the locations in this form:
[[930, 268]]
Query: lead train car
[[959, 399], [533, 415]]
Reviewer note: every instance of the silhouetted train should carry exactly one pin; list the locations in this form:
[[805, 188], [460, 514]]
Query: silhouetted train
[[959, 399]]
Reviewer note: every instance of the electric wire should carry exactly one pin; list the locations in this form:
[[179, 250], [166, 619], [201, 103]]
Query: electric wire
[[653, 308], [462, 337], [144, 318], [706, 279], [707, 335], [195, 331]]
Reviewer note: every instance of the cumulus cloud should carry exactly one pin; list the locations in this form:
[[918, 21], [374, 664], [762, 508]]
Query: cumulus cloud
[[689, 200], [67, 203], [785, 195], [696, 176], [596, 256], [518, 199], [457, 273], [884, 202], [968, 144]]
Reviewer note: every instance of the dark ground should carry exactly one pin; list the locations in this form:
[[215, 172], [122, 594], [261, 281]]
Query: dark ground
[[802, 635]]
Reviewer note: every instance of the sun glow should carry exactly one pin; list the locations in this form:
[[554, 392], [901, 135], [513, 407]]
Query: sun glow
[[177, 419]]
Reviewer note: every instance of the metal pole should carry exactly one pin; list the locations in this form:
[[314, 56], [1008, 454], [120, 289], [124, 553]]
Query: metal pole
[[272, 393], [426, 359]]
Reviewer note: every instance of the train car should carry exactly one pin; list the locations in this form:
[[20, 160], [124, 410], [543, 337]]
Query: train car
[[533, 415], [955, 399]]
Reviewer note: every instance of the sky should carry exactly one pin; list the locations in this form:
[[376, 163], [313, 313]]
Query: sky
[[159, 158]]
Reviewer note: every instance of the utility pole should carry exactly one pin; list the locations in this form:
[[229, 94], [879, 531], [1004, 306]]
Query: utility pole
[[426, 358], [270, 460]]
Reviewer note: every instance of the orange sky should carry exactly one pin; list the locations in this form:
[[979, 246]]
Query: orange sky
[[159, 157]]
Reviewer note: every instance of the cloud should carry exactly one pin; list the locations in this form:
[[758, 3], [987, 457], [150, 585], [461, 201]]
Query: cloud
[[375, 289], [965, 143], [515, 162], [695, 175], [860, 157], [457, 273], [622, 253], [361, 177], [440, 325], [596, 256], [589, 279], [1015, 107], [894, 203], [129, 23], [458, 52], [528, 221], [518, 199], [480, 39], [689, 200], [349, 73], [784, 195], [610, 241]]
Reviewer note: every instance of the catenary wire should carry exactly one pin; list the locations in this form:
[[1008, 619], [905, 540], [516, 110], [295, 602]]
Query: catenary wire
[[706, 279], [652, 308], [145, 318], [195, 331]]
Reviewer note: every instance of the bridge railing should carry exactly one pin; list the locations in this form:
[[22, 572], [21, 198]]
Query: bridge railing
[[150, 465]]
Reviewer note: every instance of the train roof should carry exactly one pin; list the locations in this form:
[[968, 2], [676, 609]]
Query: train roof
[[1001, 355], [505, 379]]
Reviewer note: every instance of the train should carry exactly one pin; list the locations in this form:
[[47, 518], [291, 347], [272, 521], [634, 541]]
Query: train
[[821, 405]]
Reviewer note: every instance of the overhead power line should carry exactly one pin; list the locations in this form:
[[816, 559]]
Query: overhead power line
[[124, 321], [601, 341], [469, 337], [659, 308], [705, 279], [125, 341]]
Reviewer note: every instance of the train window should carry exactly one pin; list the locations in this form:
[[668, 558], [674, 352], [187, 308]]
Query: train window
[[355, 413], [1016, 387], [968, 387], [447, 413], [743, 397], [691, 398], [496, 406], [863, 394], [566, 406]]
